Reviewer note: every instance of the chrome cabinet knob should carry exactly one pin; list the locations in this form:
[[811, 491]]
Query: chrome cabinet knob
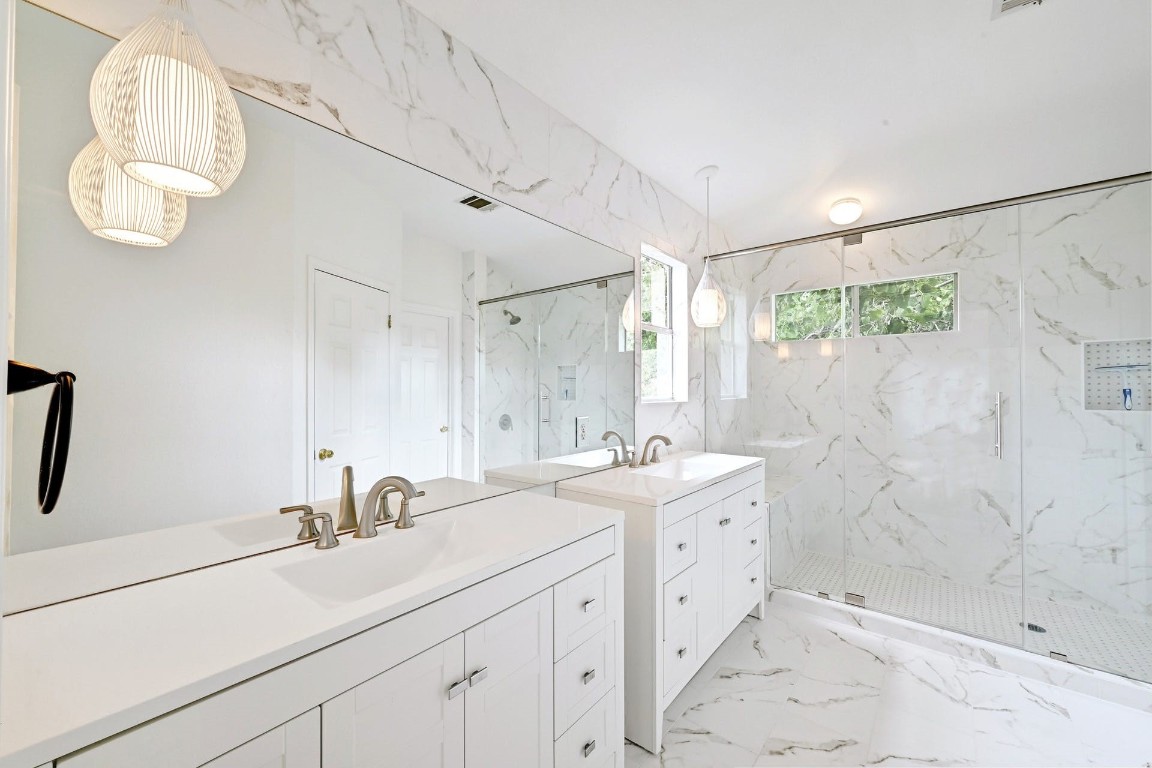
[[478, 676], [444, 428], [682, 652], [588, 604], [683, 599], [590, 747], [725, 521], [682, 546], [589, 676]]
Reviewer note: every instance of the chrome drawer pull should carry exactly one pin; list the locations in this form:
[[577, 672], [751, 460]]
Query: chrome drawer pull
[[478, 676], [755, 579], [682, 652], [725, 521], [755, 503], [588, 604], [683, 599], [755, 542], [458, 689], [589, 676], [682, 546], [590, 747]]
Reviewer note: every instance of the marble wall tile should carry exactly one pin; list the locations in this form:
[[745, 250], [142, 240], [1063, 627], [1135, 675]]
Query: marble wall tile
[[1087, 474]]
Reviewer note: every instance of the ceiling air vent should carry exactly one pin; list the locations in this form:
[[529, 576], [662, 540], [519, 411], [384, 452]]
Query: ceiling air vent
[[479, 203], [1000, 7]]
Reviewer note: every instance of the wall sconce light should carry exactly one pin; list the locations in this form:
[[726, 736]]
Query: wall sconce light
[[783, 351]]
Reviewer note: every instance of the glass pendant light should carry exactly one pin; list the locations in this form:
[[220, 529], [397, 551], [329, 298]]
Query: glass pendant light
[[115, 206], [709, 307], [628, 314], [163, 109], [760, 321]]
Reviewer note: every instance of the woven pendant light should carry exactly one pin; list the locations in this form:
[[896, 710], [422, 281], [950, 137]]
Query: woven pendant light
[[163, 109], [116, 206]]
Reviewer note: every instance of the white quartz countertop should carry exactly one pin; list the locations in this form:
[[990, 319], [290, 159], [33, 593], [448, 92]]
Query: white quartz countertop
[[74, 673], [48, 576], [677, 475], [553, 470]]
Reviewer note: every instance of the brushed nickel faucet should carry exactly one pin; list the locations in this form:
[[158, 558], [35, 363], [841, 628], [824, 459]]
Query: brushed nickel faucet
[[650, 454], [618, 458], [325, 537], [367, 527]]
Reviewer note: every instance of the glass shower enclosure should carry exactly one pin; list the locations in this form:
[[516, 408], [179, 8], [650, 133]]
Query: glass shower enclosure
[[557, 371], [957, 416]]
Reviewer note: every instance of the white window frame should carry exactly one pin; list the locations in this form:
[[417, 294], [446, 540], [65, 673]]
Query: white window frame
[[677, 327]]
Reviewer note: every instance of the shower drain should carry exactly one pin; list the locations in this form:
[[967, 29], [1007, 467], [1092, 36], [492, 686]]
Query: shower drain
[[1033, 627]]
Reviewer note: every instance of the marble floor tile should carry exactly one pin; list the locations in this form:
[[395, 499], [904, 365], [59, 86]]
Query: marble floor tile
[[800, 689]]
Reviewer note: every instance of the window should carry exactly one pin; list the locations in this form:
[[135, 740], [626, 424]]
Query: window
[[919, 305], [913, 305], [663, 344], [815, 314]]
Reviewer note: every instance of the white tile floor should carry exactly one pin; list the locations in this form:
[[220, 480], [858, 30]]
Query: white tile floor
[[1093, 638], [801, 689]]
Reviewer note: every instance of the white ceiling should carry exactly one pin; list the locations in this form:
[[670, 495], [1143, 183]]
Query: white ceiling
[[914, 106]]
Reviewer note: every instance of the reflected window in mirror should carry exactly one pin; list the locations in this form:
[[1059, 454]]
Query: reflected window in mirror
[[663, 337]]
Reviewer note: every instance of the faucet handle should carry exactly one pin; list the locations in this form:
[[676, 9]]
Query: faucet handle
[[654, 457], [307, 527], [327, 538]]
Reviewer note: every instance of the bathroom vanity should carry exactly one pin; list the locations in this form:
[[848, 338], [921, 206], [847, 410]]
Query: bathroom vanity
[[695, 567], [505, 613]]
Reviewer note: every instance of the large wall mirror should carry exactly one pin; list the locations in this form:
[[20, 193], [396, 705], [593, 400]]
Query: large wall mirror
[[336, 306]]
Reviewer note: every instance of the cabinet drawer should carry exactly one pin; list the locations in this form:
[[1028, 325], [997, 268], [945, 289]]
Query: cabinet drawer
[[752, 541], [680, 653], [592, 742], [580, 608], [584, 676], [679, 598], [754, 578], [679, 546], [754, 505]]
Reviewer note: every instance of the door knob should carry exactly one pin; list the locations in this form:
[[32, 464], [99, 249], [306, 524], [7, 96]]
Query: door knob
[[324, 454], [443, 429]]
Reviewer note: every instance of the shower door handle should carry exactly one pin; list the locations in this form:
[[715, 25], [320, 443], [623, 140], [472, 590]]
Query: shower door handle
[[999, 426]]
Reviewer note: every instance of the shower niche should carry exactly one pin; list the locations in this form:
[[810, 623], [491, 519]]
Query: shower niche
[[1118, 375]]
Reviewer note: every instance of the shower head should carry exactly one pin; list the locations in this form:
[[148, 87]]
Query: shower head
[[512, 319]]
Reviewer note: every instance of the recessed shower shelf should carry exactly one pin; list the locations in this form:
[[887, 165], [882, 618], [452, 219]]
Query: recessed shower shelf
[[1117, 376]]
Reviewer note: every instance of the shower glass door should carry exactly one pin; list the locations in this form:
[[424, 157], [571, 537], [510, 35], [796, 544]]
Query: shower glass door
[[931, 424]]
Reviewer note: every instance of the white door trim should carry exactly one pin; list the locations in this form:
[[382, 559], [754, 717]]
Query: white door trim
[[455, 368], [319, 265]]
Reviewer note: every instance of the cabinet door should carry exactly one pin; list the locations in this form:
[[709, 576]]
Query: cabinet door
[[508, 705], [709, 578], [401, 717], [296, 744], [734, 590]]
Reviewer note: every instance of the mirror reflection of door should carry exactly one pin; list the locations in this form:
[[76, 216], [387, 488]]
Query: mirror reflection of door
[[350, 383], [422, 436]]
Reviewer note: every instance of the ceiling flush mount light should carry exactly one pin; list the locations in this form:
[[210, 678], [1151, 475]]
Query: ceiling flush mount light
[[118, 207], [845, 211], [709, 307], [163, 109]]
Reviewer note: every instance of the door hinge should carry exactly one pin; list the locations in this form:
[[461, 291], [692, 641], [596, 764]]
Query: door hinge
[[389, 321]]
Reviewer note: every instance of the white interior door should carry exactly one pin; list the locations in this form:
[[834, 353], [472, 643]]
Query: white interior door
[[350, 386], [421, 430]]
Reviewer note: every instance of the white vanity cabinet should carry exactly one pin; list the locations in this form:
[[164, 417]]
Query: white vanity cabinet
[[296, 744], [694, 568], [496, 676], [519, 668]]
